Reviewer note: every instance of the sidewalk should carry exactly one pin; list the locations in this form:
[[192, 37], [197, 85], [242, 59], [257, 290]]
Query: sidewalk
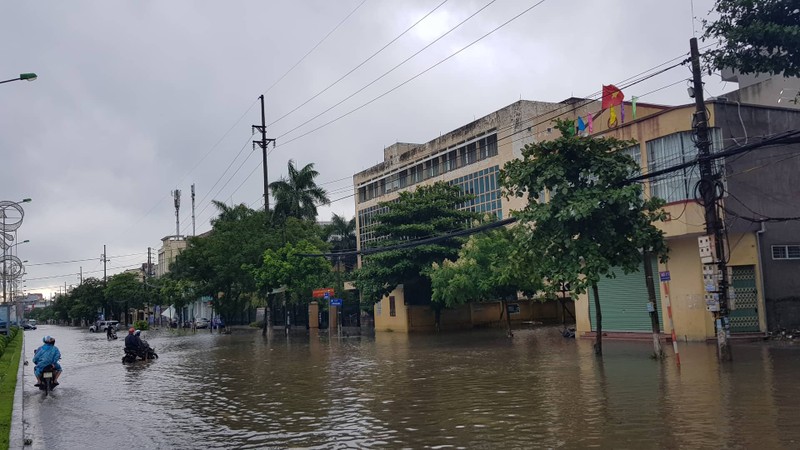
[[16, 438]]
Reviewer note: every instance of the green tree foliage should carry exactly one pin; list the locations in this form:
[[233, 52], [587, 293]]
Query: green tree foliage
[[222, 261], [594, 220], [341, 233], [88, 300], [124, 291], [287, 267], [756, 36], [489, 267], [298, 195], [428, 211]]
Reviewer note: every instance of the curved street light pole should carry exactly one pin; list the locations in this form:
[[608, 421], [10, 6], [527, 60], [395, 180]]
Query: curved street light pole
[[22, 76]]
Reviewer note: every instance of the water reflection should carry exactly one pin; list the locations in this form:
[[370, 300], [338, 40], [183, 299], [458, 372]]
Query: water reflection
[[393, 390]]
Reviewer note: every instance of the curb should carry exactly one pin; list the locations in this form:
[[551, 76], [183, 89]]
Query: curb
[[16, 438]]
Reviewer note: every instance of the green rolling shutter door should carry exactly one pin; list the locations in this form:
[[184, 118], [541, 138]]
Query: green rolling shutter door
[[623, 301]]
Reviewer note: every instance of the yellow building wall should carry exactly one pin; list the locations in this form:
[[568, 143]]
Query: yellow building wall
[[384, 321], [693, 322]]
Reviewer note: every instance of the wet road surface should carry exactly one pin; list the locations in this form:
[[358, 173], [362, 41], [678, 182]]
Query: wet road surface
[[465, 390]]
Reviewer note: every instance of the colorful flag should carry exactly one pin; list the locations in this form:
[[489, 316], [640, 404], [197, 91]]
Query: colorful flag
[[633, 105], [612, 117], [622, 113], [581, 125], [589, 119], [612, 96]]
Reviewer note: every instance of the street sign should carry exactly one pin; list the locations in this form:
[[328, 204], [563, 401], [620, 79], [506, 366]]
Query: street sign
[[320, 293], [664, 275], [326, 295], [336, 302]]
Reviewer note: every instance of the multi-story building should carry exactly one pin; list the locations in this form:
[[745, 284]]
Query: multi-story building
[[760, 210], [470, 157], [171, 247]]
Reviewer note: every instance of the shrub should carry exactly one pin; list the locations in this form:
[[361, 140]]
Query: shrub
[[257, 324], [141, 325]]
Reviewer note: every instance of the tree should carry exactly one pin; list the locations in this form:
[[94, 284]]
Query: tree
[[287, 267], [125, 291], [298, 195], [341, 233], [594, 221], [87, 299], [428, 211], [756, 36], [489, 267]]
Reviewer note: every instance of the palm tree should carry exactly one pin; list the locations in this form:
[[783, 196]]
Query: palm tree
[[298, 195], [342, 234]]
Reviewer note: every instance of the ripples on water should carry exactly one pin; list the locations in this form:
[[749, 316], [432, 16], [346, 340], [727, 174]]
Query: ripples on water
[[424, 391]]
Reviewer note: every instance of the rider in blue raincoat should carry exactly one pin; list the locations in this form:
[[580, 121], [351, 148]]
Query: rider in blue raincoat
[[44, 356]]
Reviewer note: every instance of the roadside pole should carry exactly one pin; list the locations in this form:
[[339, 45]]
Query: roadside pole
[[665, 279], [711, 245]]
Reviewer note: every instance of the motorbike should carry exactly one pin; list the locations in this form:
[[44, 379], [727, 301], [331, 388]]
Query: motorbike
[[145, 352], [48, 375], [111, 335]]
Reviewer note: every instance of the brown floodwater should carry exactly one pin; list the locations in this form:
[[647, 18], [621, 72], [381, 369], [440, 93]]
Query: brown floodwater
[[463, 390]]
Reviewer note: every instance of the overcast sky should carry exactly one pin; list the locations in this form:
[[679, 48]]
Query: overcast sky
[[137, 98]]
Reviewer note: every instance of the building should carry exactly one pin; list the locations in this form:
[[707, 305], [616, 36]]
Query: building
[[171, 247], [470, 157], [763, 251]]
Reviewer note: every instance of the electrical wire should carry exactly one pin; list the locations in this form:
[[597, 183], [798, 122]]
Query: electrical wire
[[406, 81], [364, 62]]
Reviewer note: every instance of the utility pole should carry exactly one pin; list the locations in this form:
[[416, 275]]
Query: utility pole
[[81, 275], [105, 282], [194, 231], [263, 144], [717, 296]]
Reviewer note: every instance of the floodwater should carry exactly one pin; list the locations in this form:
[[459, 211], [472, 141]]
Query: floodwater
[[465, 390]]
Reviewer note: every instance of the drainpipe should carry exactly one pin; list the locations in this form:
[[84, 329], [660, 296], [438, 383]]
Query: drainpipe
[[759, 233]]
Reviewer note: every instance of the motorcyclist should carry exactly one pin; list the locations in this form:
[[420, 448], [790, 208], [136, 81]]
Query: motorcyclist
[[44, 356], [144, 347], [132, 341], [110, 332]]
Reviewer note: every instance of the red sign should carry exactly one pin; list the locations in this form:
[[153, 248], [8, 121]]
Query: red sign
[[320, 293]]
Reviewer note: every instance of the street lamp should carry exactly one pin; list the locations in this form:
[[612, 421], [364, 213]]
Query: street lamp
[[22, 76]]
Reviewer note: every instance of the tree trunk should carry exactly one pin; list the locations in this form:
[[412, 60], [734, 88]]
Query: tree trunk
[[598, 318], [652, 306]]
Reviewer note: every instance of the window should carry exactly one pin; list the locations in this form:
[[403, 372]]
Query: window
[[392, 308], [671, 150], [635, 152], [786, 252]]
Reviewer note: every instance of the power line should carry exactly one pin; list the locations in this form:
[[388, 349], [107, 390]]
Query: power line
[[75, 274], [390, 70], [83, 260], [314, 47], [408, 80], [364, 62]]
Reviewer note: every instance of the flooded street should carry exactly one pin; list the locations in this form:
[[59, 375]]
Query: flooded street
[[477, 389]]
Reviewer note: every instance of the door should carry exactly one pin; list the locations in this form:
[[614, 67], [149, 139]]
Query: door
[[623, 301], [744, 311]]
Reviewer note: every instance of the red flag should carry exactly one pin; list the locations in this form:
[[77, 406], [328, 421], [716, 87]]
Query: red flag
[[612, 96]]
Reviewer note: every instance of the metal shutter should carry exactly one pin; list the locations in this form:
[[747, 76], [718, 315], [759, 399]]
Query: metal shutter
[[623, 301]]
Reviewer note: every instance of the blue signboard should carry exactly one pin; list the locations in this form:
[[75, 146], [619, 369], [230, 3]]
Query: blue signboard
[[336, 302], [326, 295], [664, 275]]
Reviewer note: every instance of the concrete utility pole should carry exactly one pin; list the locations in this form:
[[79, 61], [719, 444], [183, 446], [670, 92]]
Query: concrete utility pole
[[717, 296], [194, 230], [263, 144]]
